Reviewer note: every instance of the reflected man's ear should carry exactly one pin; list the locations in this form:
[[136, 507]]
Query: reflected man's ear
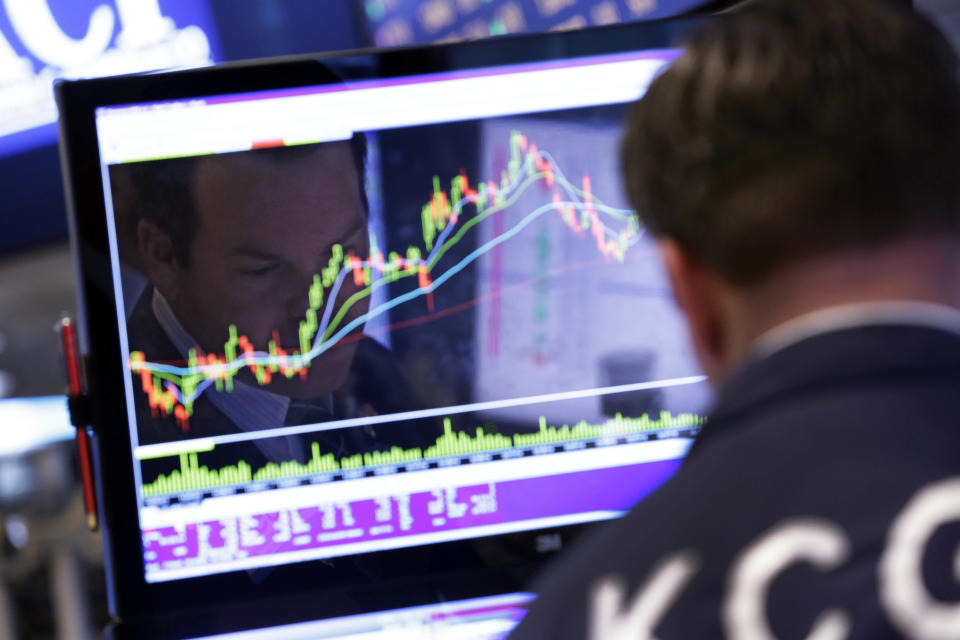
[[159, 258], [700, 294]]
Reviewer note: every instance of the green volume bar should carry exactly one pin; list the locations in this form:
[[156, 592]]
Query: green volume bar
[[192, 476], [615, 426]]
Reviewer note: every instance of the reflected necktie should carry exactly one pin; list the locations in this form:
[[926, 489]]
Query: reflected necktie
[[313, 411]]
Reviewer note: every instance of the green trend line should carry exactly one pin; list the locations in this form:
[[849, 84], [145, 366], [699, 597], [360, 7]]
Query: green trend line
[[172, 390]]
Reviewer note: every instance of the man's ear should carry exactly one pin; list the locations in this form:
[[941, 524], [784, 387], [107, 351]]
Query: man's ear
[[700, 294], [159, 258]]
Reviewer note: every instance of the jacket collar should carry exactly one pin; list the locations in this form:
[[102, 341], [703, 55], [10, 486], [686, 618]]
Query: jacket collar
[[834, 359]]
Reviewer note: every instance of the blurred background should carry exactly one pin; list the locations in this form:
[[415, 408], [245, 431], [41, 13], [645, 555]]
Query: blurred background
[[51, 576]]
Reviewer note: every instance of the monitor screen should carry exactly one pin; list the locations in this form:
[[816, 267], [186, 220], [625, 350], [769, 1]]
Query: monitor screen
[[489, 618], [382, 314]]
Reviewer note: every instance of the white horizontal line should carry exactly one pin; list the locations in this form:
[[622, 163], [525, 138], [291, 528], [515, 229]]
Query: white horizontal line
[[136, 134], [172, 448]]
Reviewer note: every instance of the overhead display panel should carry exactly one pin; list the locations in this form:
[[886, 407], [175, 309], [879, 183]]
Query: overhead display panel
[[402, 22], [43, 40]]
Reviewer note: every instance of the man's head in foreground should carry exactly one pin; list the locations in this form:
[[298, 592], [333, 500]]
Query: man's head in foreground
[[238, 238], [800, 156]]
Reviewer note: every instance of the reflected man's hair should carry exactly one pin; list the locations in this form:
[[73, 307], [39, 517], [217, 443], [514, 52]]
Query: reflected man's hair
[[162, 191]]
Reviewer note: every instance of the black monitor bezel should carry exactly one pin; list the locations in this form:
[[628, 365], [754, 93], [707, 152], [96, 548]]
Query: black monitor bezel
[[130, 595]]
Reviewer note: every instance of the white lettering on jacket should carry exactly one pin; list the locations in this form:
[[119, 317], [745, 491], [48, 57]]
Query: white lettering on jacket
[[903, 594], [610, 621], [817, 541]]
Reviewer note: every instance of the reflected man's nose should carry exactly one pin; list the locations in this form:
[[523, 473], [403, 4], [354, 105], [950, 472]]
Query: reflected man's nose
[[297, 294]]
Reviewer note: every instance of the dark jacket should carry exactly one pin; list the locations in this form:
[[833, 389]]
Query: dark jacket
[[819, 492]]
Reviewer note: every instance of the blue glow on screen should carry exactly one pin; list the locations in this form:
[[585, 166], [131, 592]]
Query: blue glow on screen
[[42, 40]]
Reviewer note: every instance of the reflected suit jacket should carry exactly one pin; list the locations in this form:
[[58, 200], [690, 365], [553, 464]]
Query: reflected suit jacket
[[376, 381]]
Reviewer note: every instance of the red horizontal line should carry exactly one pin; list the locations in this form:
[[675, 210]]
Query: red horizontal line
[[463, 306], [267, 144]]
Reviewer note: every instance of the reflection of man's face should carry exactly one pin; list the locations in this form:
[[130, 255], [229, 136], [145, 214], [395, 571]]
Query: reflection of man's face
[[264, 228]]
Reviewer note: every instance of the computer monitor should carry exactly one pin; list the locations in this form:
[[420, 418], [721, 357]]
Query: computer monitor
[[373, 317], [489, 618]]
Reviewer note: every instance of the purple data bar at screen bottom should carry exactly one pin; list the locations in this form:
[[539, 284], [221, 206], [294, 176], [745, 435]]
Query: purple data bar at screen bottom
[[455, 512]]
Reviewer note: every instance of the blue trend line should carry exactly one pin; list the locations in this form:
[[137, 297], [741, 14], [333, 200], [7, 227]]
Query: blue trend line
[[321, 346]]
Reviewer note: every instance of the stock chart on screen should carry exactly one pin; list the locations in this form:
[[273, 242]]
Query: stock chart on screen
[[512, 357]]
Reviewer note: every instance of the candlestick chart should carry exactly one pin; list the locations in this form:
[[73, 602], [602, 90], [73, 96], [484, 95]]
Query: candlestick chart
[[446, 219], [192, 475]]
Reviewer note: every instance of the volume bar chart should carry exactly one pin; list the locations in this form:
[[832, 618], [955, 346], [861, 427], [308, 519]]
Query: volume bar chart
[[393, 511], [193, 476]]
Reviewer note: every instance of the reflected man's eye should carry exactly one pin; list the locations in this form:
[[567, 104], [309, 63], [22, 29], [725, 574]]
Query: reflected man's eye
[[259, 270]]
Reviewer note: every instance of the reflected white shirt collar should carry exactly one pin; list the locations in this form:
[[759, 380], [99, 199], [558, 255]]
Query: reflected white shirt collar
[[848, 316], [250, 408]]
